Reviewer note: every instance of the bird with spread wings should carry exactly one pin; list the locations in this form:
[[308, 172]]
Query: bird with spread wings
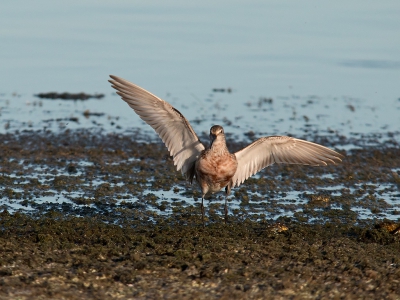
[[216, 168]]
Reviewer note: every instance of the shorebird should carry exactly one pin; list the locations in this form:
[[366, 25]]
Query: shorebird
[[215, 168]]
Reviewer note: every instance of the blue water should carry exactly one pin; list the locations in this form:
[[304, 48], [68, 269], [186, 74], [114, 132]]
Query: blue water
[[316, 60]]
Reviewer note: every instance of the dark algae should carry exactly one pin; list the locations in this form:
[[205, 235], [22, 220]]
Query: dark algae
[[58, 257], [113, 233]]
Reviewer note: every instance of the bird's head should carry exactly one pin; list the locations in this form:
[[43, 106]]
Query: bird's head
[[215, 132]]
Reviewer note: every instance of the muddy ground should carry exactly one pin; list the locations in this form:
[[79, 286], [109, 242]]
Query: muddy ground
[[108, 237]]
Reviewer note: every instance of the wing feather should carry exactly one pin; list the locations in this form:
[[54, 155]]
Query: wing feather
[[170, 125], [280, 149]]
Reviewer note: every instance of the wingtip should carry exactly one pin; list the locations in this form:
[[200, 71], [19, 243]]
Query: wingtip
[[339, 158], [114, 80], [119, 80], [336, 160]]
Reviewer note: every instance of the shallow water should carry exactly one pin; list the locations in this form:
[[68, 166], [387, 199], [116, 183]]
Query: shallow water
[[285, 205], [82, 173], [295, 116]]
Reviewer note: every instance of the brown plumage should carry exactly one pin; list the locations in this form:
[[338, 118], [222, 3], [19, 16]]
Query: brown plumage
[[216, 168]]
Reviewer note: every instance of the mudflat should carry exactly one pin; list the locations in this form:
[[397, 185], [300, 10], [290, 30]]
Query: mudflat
[[86, 215]]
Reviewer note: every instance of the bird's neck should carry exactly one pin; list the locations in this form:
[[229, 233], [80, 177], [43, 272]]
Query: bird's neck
[[219, 145]]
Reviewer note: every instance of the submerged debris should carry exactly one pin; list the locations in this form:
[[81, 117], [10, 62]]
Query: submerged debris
[[69, 96], [87, 113], [263, 100], [222, 90], [351, 107]]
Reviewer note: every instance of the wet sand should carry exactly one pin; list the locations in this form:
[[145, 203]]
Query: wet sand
[[112, 240]]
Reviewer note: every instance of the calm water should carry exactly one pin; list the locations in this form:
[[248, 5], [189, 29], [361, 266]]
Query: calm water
[[260, 48], [336, 54]]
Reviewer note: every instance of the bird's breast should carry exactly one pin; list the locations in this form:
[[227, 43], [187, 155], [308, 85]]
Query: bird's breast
[[215, 170]]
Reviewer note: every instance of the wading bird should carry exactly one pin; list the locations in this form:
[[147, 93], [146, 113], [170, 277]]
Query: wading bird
[[216, 168]]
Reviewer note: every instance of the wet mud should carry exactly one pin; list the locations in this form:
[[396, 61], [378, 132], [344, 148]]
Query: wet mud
[[102, 216]]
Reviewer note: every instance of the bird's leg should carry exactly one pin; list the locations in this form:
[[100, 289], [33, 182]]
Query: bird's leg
[[226, 209], [202, 211], [227, 191]]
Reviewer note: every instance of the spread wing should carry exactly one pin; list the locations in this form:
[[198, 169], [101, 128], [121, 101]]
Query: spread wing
[[280, 149], [175, 131]]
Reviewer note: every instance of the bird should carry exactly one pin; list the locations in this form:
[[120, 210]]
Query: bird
[[215, 167]]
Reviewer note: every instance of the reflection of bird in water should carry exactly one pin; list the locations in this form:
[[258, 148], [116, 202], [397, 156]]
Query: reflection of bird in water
[[216, 168]]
